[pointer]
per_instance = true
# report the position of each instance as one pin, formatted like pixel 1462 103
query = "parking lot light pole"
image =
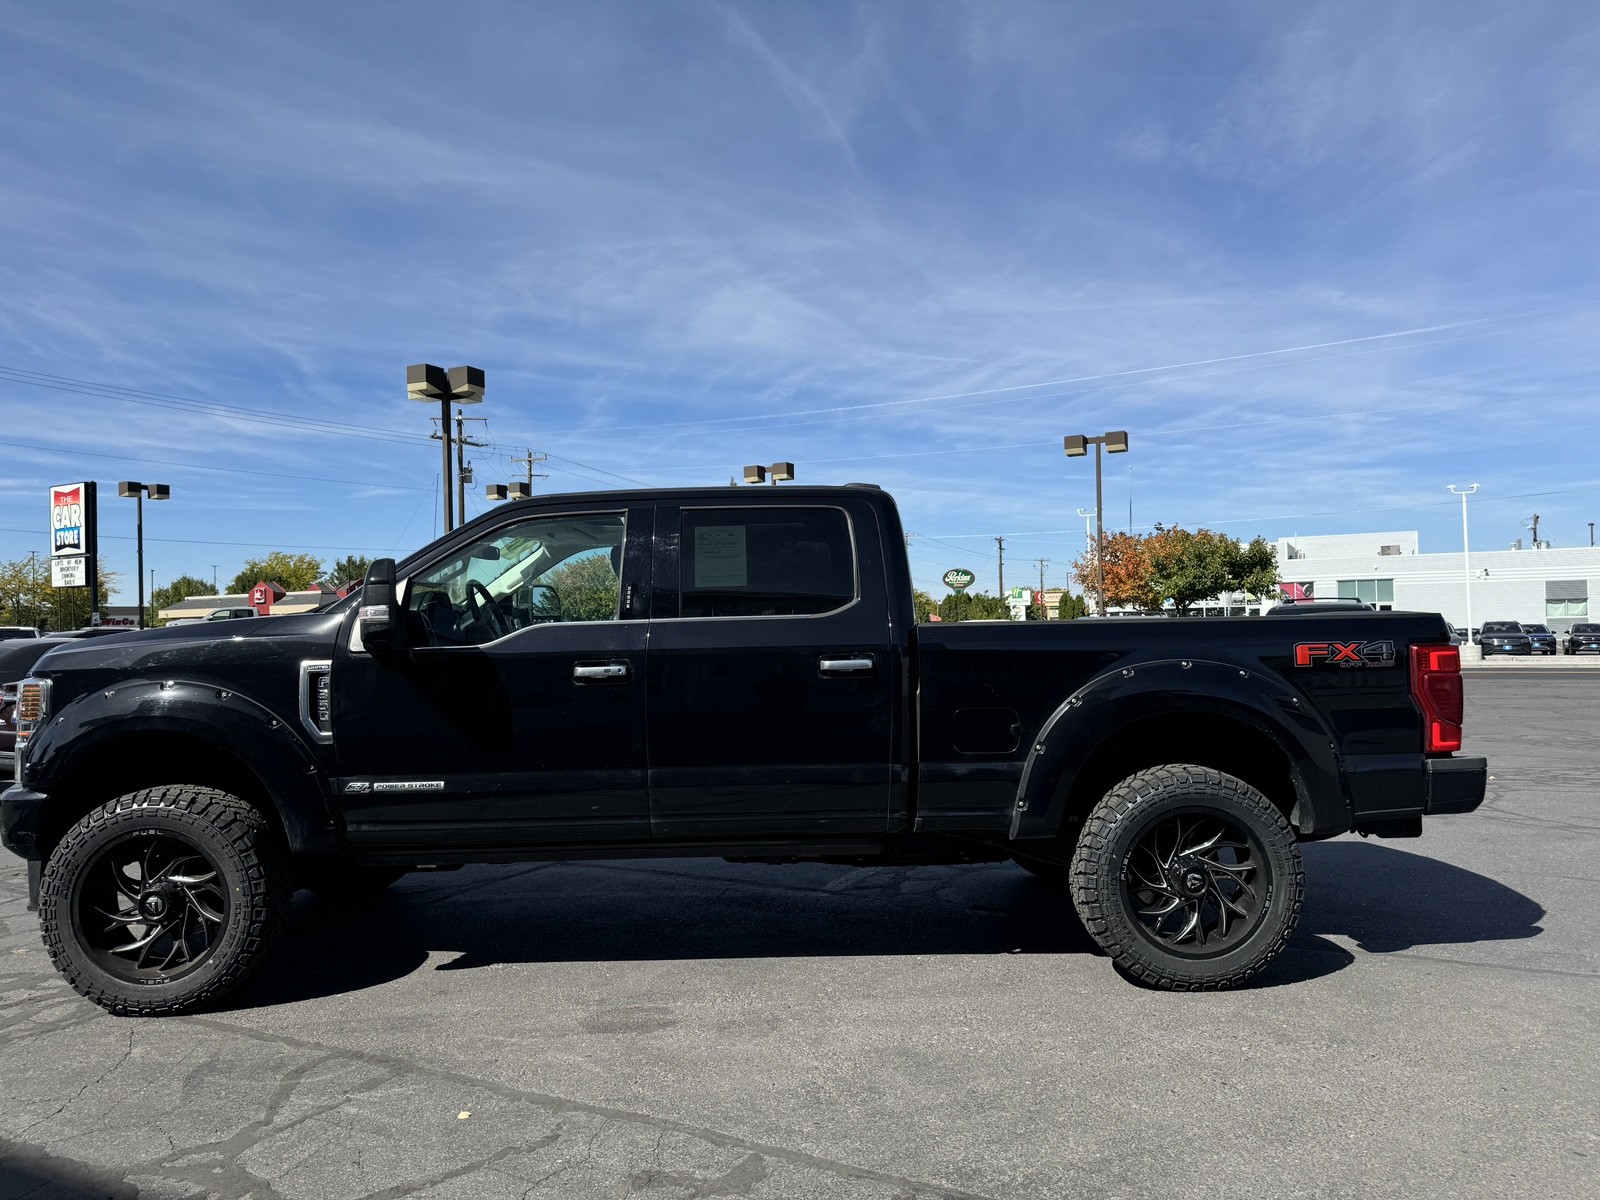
pixel 1076 446
pixel 459 385
pixel 1466 567
pixel 137 491
pixel 777 472
pixel 508 491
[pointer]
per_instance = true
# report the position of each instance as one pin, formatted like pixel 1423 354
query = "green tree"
pixel 69 608
pixel 973 606
pixel 1036 612
pixel 923 605
pixel 23 583
pixel 292 572
pixel 1188 567
pixel 1255 569
pixel 1071 607
pixel 169 594
pixel 585 589
pixel 352 568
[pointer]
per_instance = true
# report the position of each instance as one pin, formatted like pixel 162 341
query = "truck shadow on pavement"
pixel 1383 899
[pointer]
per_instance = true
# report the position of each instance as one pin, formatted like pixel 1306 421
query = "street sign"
pixel 959 579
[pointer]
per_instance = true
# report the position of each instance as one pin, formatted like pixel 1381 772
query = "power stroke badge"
pixel 1344 654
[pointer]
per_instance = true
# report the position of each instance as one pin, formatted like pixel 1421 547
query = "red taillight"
pixel 1436 687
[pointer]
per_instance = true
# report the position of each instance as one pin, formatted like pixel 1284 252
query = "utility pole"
pixel 1535 531
pixel 1591 533
pixel 463 476
pixel 533 460
pixel 1043 563
pixel 1001 543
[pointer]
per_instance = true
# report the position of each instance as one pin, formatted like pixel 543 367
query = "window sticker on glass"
pixel 719 557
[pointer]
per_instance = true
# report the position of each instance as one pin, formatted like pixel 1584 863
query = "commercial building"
pixel 1555 586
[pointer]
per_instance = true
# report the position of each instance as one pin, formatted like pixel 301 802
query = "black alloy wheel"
pixel 164 900
pixel 1189 878
pixel 149 908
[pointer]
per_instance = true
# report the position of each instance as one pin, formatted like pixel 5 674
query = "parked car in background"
pixel 216 614
pixel 1544 642
pixel 1504 637
pixel 8 731
pixel 17 657
pixel 1582 638
pixel 7 632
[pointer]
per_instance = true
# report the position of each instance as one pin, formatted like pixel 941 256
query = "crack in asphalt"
pixel 398 1065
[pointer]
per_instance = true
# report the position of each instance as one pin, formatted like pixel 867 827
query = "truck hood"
pixel 208 647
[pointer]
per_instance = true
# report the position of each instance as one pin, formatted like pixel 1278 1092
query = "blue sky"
pixel 1320 260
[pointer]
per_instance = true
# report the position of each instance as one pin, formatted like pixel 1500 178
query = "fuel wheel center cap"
pixel 1190 878
pixel 154 906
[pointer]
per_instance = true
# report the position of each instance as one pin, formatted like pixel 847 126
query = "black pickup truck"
pixel 733 672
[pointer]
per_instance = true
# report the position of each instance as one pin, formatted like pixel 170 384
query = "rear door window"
pixel 766 562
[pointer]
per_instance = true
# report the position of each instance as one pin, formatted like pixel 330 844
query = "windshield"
pixel 1502 627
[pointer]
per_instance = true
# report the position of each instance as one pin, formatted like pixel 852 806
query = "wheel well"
pixel 1222 743
pixel 128 764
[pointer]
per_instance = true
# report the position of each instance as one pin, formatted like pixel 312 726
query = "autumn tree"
pixel 292 572
pixel 69 608
pixel 1127 571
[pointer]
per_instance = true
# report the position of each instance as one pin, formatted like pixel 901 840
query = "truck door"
pixel 773 681
pixel 515 714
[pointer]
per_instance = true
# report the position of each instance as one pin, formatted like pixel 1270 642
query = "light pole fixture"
pixel 1088 530
pixel 1466 567
pixel 1076 446
pixel 127 489
pixel 508 491
pixel 458 385
pixel 782 471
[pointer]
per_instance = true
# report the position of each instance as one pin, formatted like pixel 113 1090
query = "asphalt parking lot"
pixel 694 1029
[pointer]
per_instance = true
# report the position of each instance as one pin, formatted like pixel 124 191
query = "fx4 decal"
pixel 1344 654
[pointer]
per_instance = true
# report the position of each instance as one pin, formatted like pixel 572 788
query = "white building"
pixel 1554 586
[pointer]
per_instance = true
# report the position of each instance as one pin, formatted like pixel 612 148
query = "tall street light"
pixel 1466 569
pixel 137 491
pixel 1088 530
pixel 1076 446
pixel 458 385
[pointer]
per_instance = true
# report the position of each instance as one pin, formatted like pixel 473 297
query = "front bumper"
pixel 19 820
pixel 1454 785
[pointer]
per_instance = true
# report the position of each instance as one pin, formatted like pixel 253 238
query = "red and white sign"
pixel 69 530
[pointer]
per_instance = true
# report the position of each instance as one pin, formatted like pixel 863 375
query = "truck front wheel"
pixel 1188 878
pixel 164 900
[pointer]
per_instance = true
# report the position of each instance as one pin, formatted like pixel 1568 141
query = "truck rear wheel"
pixel 1188 878
pixel 164 900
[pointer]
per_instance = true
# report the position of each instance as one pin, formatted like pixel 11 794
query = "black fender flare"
pixel 264 743
pixel 1136 691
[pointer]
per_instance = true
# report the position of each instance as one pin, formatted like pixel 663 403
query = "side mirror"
pixel 380 620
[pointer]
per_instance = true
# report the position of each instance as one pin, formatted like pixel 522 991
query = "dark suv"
pixel 1504 637
pixel 1582 638
pixel 1544 642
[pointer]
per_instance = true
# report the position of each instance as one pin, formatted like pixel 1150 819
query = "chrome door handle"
pixel 608 671
pixel 844 666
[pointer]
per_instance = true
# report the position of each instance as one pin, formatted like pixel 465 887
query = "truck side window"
pixel 544 569
pixel 766 562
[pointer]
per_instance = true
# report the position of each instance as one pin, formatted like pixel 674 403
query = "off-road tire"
pixel 250 882
pixel 1118 852
pixel 348 881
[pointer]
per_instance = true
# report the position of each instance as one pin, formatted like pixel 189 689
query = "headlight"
pixel 33 709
